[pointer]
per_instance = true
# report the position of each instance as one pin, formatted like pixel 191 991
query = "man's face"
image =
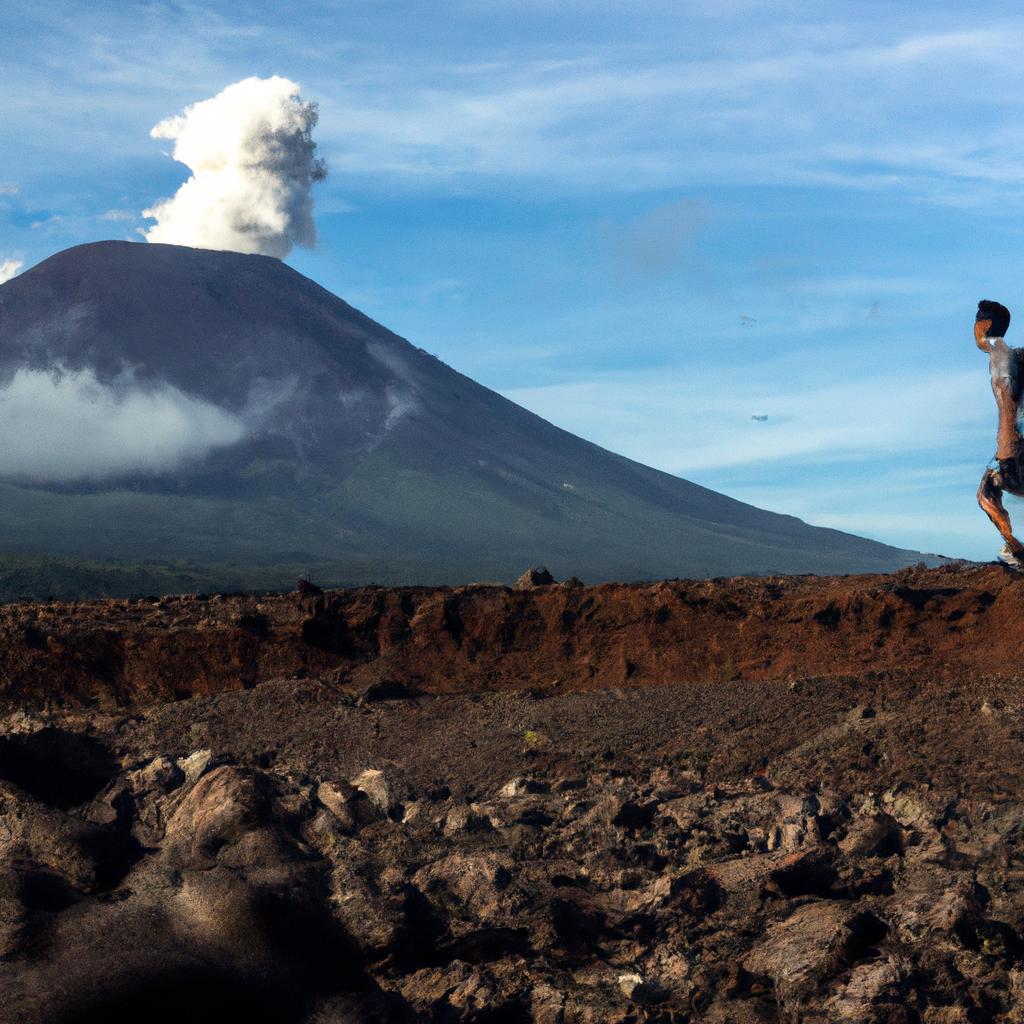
pixel 981 329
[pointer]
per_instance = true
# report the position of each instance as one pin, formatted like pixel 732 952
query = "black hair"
pixel 998 314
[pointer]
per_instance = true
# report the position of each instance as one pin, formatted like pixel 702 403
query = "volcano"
pixel 333 445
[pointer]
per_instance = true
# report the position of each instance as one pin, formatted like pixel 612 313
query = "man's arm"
pixel 981 329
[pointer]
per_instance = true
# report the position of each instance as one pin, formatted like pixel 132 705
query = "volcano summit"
pixel 166 403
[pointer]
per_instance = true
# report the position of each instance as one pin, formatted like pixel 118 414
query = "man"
pixel 1006 471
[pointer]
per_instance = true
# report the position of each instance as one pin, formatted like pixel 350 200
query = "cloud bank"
pixel 253 162
pixel 9 269
pixel 62 426
pixel 695 419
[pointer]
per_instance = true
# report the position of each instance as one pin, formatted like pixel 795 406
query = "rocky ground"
pixel 367 837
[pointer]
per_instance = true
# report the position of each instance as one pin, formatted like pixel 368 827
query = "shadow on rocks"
pixel 59 768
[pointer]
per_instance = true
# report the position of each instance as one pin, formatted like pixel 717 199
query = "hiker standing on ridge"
pixel 1006 470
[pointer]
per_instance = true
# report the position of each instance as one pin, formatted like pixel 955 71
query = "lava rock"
pixel 535 576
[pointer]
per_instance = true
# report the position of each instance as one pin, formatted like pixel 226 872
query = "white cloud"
pixel 9 188
pixel 769 104
pixel 869 97
pixel 698 418
pixel 929 508
pixel 251 153
pixel 65 425
pixel 9 269
pixel 865 452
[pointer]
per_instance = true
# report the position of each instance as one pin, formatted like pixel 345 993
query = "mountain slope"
pixel 344 447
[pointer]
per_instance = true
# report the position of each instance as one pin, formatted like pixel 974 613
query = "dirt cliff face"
pixel 745 800
pixel 562 637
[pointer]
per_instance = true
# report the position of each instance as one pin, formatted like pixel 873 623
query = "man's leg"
pixel 990 498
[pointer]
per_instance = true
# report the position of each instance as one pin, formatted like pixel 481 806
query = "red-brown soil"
pixel 752 800
pixel 566 637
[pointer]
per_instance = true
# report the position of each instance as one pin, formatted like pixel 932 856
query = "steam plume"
pixel 252 157
pixel 9 269
pixel 65 425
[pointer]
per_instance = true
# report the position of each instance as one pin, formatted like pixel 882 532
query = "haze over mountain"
pixel 163 402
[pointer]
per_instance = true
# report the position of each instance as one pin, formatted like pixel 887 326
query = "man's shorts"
pixel 1011 474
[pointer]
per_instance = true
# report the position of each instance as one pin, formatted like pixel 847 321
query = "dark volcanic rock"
pixel 379 900
pixel 708 849
pixel 537 576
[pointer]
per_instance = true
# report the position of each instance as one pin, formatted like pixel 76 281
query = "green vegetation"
pixel 38 578
pixel 390 524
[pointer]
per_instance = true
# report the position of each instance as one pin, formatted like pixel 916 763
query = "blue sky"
pixel 647 222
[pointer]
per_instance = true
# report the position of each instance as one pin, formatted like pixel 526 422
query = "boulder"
pixel 535 576
pixel 644 992
pixel 375 786
pixel 809 947
pixel 521 786
pixel 876 835
pixel 339 798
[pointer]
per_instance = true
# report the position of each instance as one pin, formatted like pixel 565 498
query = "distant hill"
pixel 345 448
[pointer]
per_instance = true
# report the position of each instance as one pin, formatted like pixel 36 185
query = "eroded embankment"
pixel 562 637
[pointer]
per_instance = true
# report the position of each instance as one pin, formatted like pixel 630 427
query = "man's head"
pixel 992 321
